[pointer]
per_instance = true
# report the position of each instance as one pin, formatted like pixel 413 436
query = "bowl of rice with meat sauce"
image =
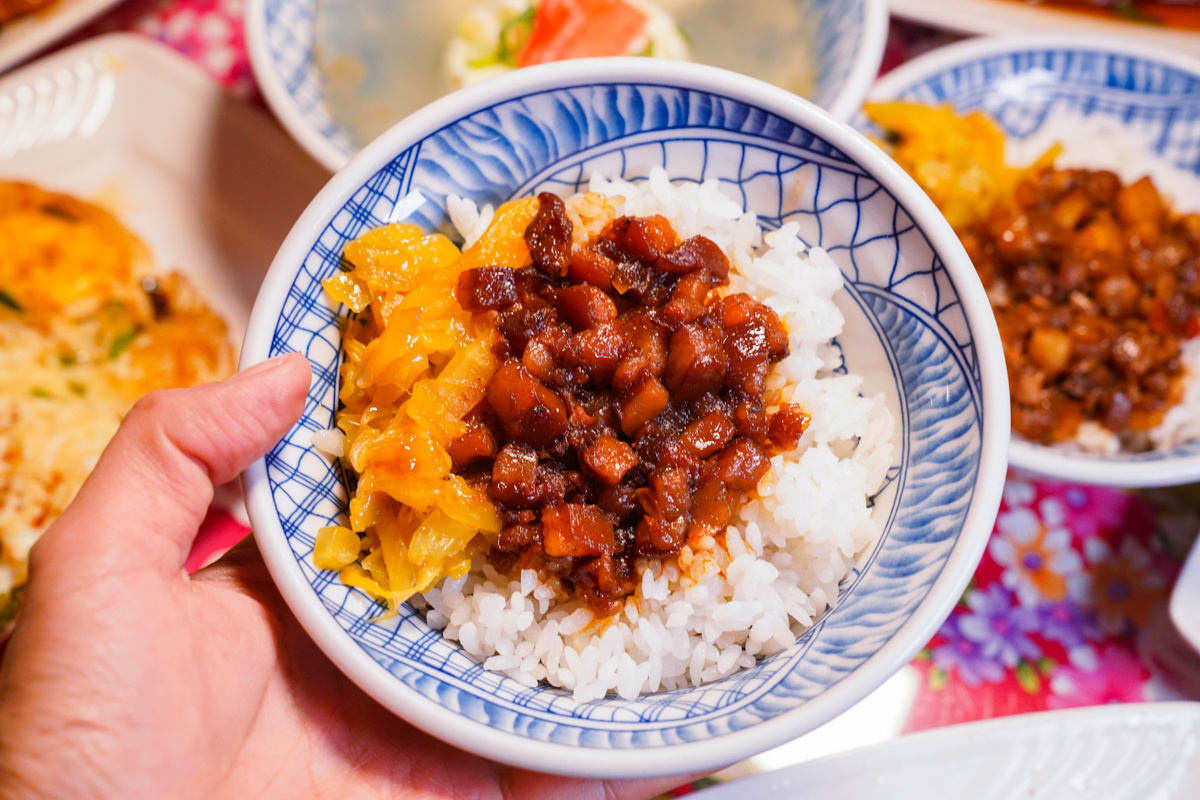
pixel 657 418
pixel 1067 165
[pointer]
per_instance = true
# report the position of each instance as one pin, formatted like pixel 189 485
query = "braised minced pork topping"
pixel 1095 286
pixel 629 413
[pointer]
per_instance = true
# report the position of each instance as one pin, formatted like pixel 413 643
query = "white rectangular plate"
pixel 210 184
pixel 1113 752
pixel 1012 16
pixel 23 37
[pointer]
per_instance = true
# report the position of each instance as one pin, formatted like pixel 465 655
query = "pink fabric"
pixel 1067 608
pixel 209 32
pixel 219 532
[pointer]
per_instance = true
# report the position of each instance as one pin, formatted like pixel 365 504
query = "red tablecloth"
pixel 1067 607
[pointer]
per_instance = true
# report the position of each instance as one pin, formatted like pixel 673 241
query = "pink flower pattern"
pixel 1052 619
pixel 1036 553
pixel 1116 677
pixel 209 32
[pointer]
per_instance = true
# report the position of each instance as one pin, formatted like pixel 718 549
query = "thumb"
pixel 143 503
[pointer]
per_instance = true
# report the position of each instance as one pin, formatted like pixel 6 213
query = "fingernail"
pixel 265 366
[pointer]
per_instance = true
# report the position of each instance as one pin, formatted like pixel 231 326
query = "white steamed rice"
pixel 723 602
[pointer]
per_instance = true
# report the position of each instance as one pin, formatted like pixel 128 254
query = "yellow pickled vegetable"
pixel 365 509
pixel 337 547
pixel 503 243
pixel 439 540
pixel 345 289
pixel 957 159
pixel 358 577
pixel 392 258
pixel 395 532
pixel 440 403
pixel 416 364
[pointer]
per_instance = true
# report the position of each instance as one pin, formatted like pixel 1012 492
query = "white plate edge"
pixel 1011 16
pixel 42 29
pixel 987 737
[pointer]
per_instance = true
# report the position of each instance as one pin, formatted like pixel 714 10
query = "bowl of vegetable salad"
pixel 338 73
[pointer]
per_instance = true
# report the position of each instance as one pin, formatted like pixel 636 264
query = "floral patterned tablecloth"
pixel 1067 607
pixel 209 32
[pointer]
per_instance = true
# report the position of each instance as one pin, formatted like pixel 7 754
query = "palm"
pixel 340 742
pixel 160 684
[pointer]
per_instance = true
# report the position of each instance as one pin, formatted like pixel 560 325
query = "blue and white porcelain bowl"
pixel 389 51
pixel 919 330
pixel 1132 107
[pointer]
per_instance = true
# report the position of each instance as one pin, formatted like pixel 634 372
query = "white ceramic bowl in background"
pixel 919 330
pixel 1127 88
pixel 395 47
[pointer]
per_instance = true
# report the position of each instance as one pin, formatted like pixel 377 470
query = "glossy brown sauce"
pixel 629 414
pixel 1095 286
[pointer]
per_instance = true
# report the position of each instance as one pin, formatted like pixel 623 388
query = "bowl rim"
pixel 941 58
pixel 281 102
pixel 866 67
pixel 276 94
pixel 1030 457
pixel 697 756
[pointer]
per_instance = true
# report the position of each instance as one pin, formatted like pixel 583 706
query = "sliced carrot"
pixel 565 29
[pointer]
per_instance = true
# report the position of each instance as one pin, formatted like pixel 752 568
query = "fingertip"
pixel 293 365
pixel 260 403
pixel 281 383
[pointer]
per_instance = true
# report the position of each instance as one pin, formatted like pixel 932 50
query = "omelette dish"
pixel 86 328
pixel 10 9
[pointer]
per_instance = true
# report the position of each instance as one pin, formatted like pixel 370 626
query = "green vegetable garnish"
pixel 8 300
pixel 8 609
pixel 513 35
pixel 121 343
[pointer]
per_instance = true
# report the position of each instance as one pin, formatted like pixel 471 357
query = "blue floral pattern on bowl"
pixel 846 55
pixel 1022 82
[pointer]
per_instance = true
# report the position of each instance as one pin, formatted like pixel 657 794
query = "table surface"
pixel 1067 607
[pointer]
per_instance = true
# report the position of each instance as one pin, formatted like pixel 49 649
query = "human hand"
pixel 128 678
